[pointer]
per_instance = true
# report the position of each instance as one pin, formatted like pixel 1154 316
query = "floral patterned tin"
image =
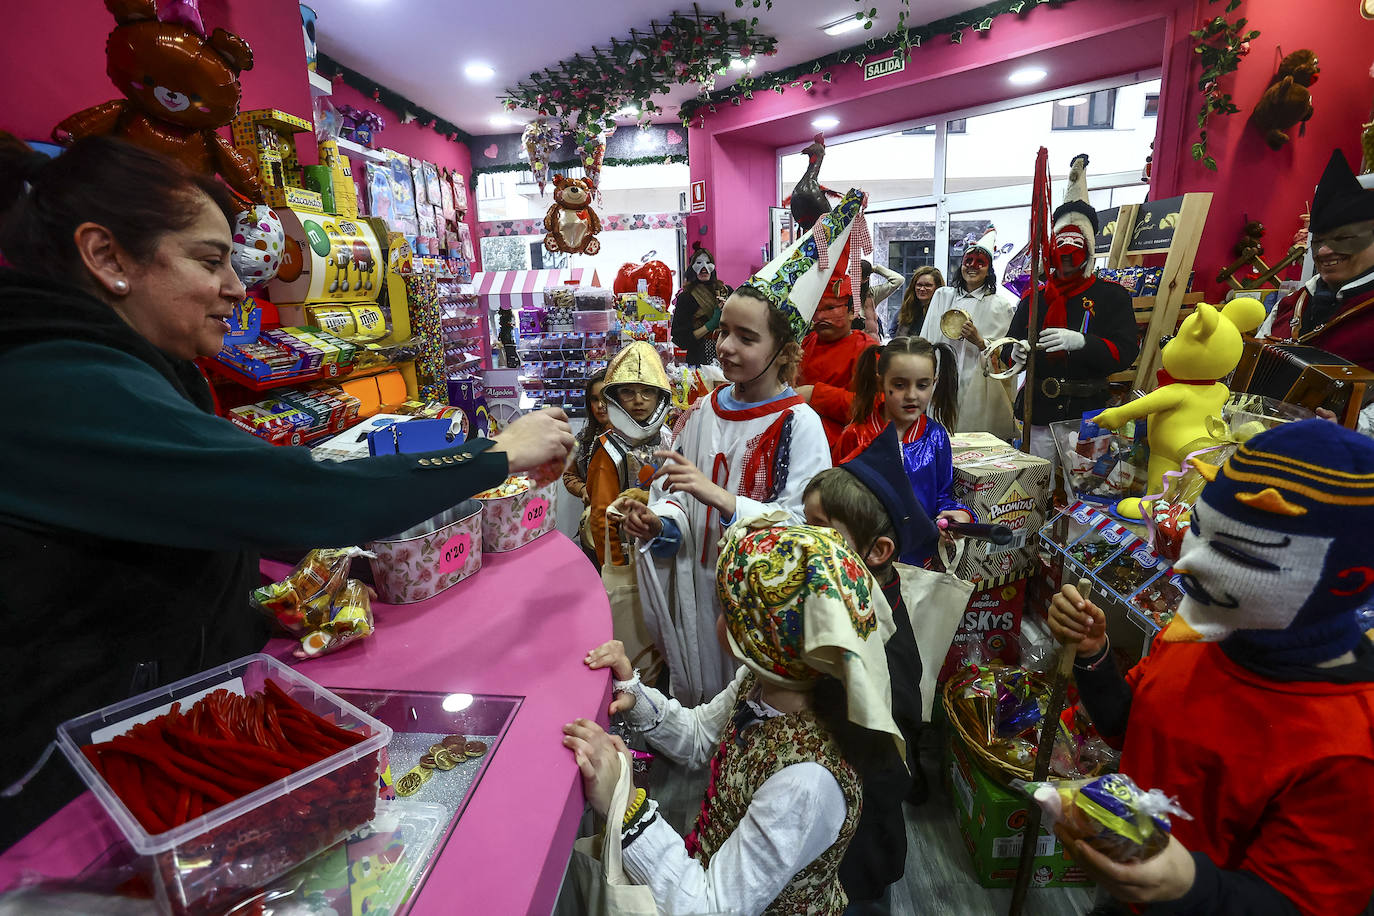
pixel 513 519
pixel 435 555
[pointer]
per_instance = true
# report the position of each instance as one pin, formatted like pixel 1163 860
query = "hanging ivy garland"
pixel 585 91
pixel 406 110
pixel 901 41
pixel 1220 46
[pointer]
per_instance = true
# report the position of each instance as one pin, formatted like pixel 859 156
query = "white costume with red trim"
pixel 765 454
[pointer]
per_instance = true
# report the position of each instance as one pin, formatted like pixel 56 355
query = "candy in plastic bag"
pixel 350 618
pixel 301 601
pixel 1110 813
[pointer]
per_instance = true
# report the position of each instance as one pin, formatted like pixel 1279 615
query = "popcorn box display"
pixel 213 861
pixel 992 821
pixel 990 626
pixel 1002 487
pixel 516 513
pixel 431 557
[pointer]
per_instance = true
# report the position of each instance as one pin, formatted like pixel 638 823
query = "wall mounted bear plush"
pixel 179 86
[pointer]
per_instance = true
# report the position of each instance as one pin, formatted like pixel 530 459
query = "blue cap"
pixel 879 467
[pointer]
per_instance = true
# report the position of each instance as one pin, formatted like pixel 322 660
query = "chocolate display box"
pixel 1001 486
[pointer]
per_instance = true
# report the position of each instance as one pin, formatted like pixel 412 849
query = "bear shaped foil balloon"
pixel 1206 349
pixel 571 224
pixel 179 86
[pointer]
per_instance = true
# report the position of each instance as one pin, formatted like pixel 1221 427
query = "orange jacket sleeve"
pixel 603 486
pixel 831 402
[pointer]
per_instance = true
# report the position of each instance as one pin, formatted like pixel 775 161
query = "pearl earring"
pixel 121 286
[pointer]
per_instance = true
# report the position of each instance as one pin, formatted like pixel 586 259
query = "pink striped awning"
pixel 517 289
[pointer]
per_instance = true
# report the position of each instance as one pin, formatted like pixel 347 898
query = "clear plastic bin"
pixel 207 864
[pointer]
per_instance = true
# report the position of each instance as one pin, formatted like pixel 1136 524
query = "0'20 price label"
pixel 455 553
pixel 536 513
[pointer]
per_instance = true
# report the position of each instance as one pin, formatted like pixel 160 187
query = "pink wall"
pixel 417 141
pixel 60 47
pixel 1275 187
pixel 52 59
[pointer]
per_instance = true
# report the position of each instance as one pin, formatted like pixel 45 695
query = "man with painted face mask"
pixel 1255 707
pixel 829 353
pixel 697 308
pixel 1086 326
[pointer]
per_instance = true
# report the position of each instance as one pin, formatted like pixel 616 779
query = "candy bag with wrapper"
pixel 1111 813
pixel 302 600
pixel 350 618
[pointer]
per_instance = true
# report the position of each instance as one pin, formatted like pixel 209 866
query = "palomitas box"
pixel 992 821
pixel 990 626
pixel 1003 487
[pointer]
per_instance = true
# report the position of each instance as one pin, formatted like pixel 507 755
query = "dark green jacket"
pixel 131 517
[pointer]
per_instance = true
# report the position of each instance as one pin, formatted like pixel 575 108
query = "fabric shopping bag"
pixel 936 602
pixel 627 615
pixel 598 871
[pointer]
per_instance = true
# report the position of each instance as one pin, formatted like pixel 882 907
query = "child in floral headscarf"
pixel 786 739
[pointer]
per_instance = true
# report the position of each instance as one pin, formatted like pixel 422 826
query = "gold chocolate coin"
pixel 435 748
pixel 411 782
pixel 474 748
pixel 427 761
pixel 455 742
pixel 445 760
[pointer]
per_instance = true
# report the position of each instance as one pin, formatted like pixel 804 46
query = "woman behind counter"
pixel 130 515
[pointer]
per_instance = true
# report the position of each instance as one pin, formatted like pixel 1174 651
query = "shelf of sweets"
pixel 228 373
pixel 1083 541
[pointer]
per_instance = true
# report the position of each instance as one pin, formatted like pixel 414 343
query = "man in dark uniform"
pixel 1085 328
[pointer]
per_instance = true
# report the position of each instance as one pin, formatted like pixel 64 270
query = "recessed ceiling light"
pixel 1027 76
pixel 840 26
pixel 825 122
pixel 500 120
pixel 1076 100
pixel 479 72
pixel 627 111
pixel 742 63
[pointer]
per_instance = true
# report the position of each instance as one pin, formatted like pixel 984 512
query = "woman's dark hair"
pixel 908 317
pixel 863 748
pixel 989 282
pixel 847 500
pixel 137 194
pixel 872 366
pixel 790 352
pixel 865 276
pixel 587 437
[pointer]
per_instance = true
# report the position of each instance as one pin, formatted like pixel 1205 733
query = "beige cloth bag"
pixel 627 616
pixel 598 869
pixel 936 602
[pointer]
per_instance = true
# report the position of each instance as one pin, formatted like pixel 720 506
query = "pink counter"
pixel 519 627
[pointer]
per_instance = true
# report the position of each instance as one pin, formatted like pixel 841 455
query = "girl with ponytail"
pixel 896 383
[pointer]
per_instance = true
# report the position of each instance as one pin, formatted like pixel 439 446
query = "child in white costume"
pixel 747 448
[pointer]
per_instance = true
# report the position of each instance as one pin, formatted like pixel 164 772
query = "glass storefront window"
pixel 895 166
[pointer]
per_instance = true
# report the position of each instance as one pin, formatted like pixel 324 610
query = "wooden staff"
pixel 1039 224
pixel 1049 728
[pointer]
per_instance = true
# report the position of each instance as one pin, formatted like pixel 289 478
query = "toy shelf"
pixel 326 372
pixel 357 149
pixel 319 85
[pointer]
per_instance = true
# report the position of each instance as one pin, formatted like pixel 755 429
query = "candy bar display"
pixel 1130 578
pixel 297 417
pixel 463 323
pixel 1110 813
pixel 207 790
pixel 283 354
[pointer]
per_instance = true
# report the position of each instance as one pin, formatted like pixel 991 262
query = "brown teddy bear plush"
pixel 571 222
pixel 1287 101
pixel 178 85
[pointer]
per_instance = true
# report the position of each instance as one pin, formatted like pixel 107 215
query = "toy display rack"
pixel 1158 315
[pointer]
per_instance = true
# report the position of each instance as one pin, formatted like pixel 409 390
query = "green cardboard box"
pixel 992 818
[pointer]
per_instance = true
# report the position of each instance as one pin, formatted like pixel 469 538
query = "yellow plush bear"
pixel 1207 348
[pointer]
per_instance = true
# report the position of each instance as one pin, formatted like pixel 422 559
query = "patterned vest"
pixel 737 771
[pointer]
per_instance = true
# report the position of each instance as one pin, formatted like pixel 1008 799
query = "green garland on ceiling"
pixel 331 69
pixel 577 163
pixel 804 76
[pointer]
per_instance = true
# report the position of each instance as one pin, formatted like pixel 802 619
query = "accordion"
pixel 1305 376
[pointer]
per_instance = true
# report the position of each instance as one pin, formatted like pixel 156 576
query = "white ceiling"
pixel 419 47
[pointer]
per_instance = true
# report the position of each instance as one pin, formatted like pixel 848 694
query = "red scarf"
pixel 1057 295
pixel 1162 378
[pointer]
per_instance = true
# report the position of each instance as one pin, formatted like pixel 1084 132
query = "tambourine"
pixel 952 323
pixel 1018 362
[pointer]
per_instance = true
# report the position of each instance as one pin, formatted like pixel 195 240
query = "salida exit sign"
pixel 885 67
